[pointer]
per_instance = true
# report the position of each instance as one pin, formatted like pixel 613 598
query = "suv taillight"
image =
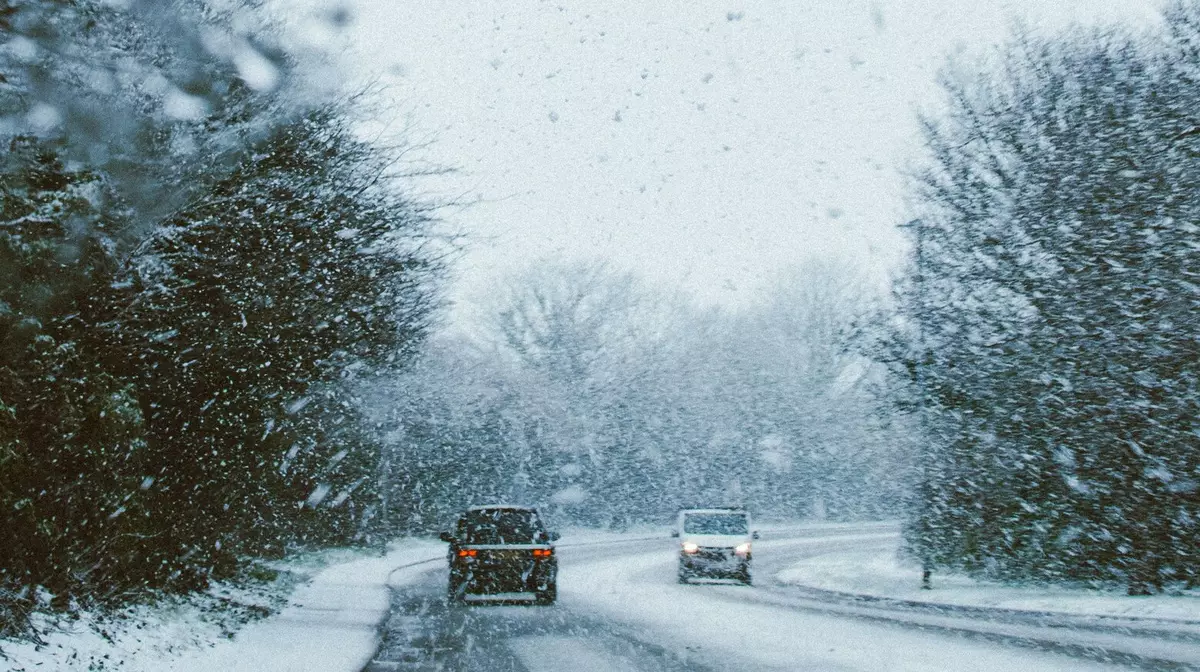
pixel 543 552
pixel 467 552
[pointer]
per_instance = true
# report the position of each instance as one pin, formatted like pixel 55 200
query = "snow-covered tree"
pixel 1052 310
pixel 250 311
pixel 71 433
pixel 593 336
pixel 826 434
pixel 196 262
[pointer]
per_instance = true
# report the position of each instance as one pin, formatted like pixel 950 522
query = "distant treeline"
pixel 613 404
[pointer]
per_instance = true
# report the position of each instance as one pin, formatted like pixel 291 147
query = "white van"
pixel 714 543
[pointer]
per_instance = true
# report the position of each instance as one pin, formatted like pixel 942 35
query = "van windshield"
pixel 715 523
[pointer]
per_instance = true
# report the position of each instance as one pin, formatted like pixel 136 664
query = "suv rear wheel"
pixel 548 595
pixel 454 592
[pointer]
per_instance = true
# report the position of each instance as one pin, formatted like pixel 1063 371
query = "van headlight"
pixel 690 547
pixel 743 549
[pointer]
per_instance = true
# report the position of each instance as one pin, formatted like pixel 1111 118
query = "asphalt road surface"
pixel 621 609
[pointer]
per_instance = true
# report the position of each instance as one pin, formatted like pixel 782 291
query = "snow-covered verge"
pixel 324 618
pixel 881 572
pixel 726 626
pixel 158 629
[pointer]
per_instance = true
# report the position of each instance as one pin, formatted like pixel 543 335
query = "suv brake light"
pixel 543 552
pixel 467 552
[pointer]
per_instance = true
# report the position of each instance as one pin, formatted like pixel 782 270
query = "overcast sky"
pixel 705 144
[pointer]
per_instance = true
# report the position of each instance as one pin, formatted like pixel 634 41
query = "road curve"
pixel 621 609
pixel 1132 642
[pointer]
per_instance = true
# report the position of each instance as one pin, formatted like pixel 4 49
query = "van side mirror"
pixel 447 537
pixel 674 533
pixel 754 534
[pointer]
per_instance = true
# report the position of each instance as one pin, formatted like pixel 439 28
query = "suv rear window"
pixel 501 526
pixel 715 523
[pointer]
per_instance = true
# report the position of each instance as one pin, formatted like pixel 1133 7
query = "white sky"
pixel 704 144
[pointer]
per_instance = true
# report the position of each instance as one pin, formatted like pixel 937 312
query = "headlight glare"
pixel 742 549
pixel 690 547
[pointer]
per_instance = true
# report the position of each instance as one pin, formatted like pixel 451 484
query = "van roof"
pixel 516 507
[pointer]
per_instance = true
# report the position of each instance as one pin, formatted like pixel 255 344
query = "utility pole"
pixel 385 485
pixel 918 226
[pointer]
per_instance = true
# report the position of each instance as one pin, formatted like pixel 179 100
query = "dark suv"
pixel 502 552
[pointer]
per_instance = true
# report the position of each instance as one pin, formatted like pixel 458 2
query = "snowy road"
pixel 621 609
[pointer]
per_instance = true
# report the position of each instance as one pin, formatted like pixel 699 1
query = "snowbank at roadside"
pixel 584 535
pixel 878 571
pixel 328 624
